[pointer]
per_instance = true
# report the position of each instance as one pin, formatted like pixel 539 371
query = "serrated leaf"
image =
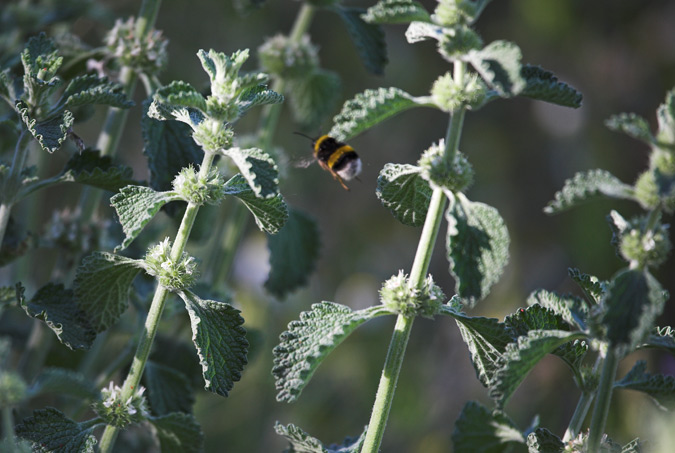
pixel 90 89
pixel 659 387
pixel 58 308
pixel 368 109
pixel 301 442
pixel 51 431
pixel 520 357
pixel 368 39
pixel 499 65
pixel 178 433
pixel 421 31
pixel 102 285
pixel 632 125
pixel 570 308
pixel 477 430
pixel 270 213
pixel 314 97
pixel 293 254
pixel 258 168
pixel 593 287
pixel 59 381
pixel 666 118
pixel 220 340
pixel 258 95
pixel 634 299
pixel 178 101
pixel 92 169
pixel 544 441
pixel 404 192
pixel 586 186
pixel 634 446
pixel 169 390
pixel 396 12
pixel 661 338
pixel 309 340
pixel 40 54
pixel 50 133
pixel 135 207
pixel 542 85
pixel 477 244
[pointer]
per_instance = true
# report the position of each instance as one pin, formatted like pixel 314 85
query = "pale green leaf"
pixel 270 213
pixel 102 285
pixel 396 12
pixel 169 390
pixel 59 382
pixel 314 97
pixel 404 192
pixel 421 31
pixel 477 244
pixel 593 288
pixel 368 39
pixel 50 133
pixel 258 95
pixel 258 168
pixel 293 254
pixel 135 207
pixel 588 185
pixel 220 340
pixel 659 387
pixel 666 118
pixel 51 431
pixel 542 85
pixel 309 340
pixel 499 65
pixel 90 89
pixel 301 442
pixel 178 433
pixel 544 441
pixel 178 101
pixel 478 430
pixel 632 125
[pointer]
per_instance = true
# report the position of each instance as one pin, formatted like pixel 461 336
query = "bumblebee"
pixel 336 157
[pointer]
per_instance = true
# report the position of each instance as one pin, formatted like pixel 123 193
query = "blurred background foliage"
pixel 620 55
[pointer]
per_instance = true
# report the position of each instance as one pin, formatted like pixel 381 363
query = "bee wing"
pixel 303 163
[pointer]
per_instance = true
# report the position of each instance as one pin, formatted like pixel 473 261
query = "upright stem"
pixel 12 184
pixel 580 412
pixel 8 427
pixel 604 396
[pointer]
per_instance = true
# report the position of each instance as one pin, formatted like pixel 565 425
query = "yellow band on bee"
pixel 317 143
pixel 337 154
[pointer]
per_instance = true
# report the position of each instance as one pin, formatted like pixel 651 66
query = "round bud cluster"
pixel 647 190
pixel 461 41
pixel 455 176
pixel 213 135
pixel 12 389
pixel 649 248
pixel 281 56
pixel 199 189
pixel 450 96
pixel 453 12
pixel 222 109
pixel 118 412
pixel 174 276
pixel 148 56
pixel 399 296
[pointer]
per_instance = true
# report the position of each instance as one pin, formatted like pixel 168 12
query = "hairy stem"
pixel 604 396
pixel 8 427
pixel 580 412
pixel 12 184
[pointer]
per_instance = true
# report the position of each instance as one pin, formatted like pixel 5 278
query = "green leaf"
pixel 220 340
pixel 169 390
pixel 270 213
pixel 478 430
pixel 370 108
pixel 478 247
pixel 632 125
pixel 293 254
pixel 50 133
pixel 40 54
pixel 258 168
pixel 102 285
pixel 396 12
pixel 593 288
pixel 634 299
pixel 542 85
pixel 314 97
pixel 404 192
pixel 544 441
pixel 301 442
pixel 588 185
pixel 570 308
pixel 50 430
pixel 178 101
pixel 9 296
pixel 92 169
pixel 258 95
pixel 499 65
pixel 16 243
pixel 634 446
pixel 666 118
pixel 58 308
pixel 661 338
pixel 659 387
pixel 178 433
pixel 368 39
pixel 135 207
pixel 422 30
pixel 90 89
pixel 520 357
pixel 309 340
pixel 59 382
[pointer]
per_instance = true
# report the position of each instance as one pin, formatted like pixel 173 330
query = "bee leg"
pixel 338 179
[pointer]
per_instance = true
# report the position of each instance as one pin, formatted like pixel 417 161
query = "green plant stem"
pixel 580 412
pixel 603 398
pixel 12 184
pixel 233 229
pixel 147 337
pixel 39 343
pixel 8 427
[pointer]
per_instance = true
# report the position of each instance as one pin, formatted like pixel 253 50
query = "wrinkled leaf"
pixel 301 442
pixel 314 97
pixel 90 89
pixel 572 309
pixel 661 338
pixel 368 39
pixel 659 387
pixel 593 287
pixel 404 192
pixel 169 390
pixel 499 65
pixel 396 12
pixel 178 101
pixel 50 133
pixel 544 441
pixel 259 95
pixel 480 431
pixel 178 433
pixel 270 213
pixel 586 186
pixel 542 85
pixel 50 430
pixel 258 168
pixel 632 125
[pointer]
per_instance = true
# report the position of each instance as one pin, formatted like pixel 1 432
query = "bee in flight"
pixel 336 157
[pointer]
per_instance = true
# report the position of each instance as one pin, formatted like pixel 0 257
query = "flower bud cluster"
pixel 213 135
pixel 645 248
pixel 174 276
pixel 198 189
pixel 455 176
pixel 453 12
pixel 12 388
pixel 148 55
pixel 121 413
pixel 283 57
pixel 399 296
pixel 450 96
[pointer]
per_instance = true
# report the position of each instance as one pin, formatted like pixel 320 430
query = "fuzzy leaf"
pixel 92 169
pixel 50 133
pixel 632 125
pixel 542 85
pixel 478 247
pixel 90 89
pixel 404 192
pixel 220 340
pixel 293 254
pixel 570 308
pixel 258 168
pixel 634 299
pixel 422 30
pixel 396 12
pixel 588 185
pixel 368 109
pixel 544 441
pixel 658 386
pixel 50 430
pixel 666 118
pixel 178 101
pixel 309 340
pixel 178 433
pixel 258 95
pixel 102 285
pixel 478 430
pixel 40 54
pixel 270 213
pixel 520 357
pixel 592 287
pixel 58 308
pixel 499 65
pixel 59 381
pixel 169 390
pixel 301 442
pixel 368 39
pixel 135 207
pixel 661 338
pixel 314 97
